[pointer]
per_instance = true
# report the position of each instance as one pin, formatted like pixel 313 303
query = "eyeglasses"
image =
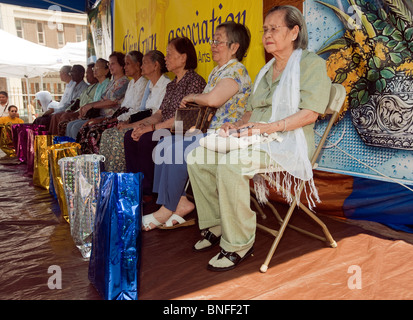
pixel 217 42
pixel 272 30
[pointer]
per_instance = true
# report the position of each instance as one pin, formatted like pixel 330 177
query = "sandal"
pixel 231 256
pixel 147 220
pixel 181 222
pixel 210 237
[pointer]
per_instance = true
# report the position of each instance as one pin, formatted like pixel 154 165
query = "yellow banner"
pixel 149 24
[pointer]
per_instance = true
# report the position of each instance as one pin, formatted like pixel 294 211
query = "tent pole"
pixel 29 110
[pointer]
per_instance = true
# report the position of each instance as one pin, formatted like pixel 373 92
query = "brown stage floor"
pixel 34 237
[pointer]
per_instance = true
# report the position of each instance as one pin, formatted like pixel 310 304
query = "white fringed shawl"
pixel 291 153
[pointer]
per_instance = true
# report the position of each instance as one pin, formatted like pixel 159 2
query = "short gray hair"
pixel 66 69
pixel 293 17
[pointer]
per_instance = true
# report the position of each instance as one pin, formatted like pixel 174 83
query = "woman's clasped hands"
pixel 139 130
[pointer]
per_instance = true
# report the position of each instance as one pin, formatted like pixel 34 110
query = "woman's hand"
pixel 122 125
pixel 188 99
pixel 227 129
pixel 139 131
pixel 252 128
pixel 83 110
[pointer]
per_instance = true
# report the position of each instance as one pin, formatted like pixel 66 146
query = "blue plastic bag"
pixel 64 139
pixel 114 265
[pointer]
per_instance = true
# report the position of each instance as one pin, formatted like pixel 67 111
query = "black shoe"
pixel 231 256
pixel 212 238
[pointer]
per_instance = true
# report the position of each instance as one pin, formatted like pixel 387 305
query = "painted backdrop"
pixel 366 170
pixel 368 47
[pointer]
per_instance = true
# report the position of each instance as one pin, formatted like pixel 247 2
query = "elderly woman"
pixel 227 90
pixel 112 139
pixel 131 102
pixel 89 134
pixel 110 102
pixel 181 59
pixel 288 95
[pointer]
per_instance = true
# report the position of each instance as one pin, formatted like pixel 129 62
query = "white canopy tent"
pixel 24 59
pixel 74 53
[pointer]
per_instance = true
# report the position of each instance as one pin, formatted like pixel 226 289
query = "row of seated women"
pixel 287 97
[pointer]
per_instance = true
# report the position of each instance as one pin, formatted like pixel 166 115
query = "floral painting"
pixel 373 60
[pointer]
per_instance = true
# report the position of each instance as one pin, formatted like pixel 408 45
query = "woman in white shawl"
pixel 289 93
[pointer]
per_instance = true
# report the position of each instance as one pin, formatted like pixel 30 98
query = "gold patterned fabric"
pixel 6 140
pixel 41 177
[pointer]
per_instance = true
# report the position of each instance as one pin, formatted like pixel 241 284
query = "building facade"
pixel 52 28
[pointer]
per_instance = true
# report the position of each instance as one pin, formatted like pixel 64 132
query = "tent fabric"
pixel 384 202
pixel 74 6
pixel 24 58
pixel 74 52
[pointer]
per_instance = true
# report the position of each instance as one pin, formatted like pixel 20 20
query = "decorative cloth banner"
pixel 114 265
pixel 81 179
pixel 149 24
pixel 55 153
pixel 41 177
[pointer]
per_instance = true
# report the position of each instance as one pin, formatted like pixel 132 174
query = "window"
pixel 60 38
pixel 40 33
pixel 19 28
pixel 79 33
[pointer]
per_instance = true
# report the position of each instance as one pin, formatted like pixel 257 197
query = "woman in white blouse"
pixel 136 87
pixel 155 90
pixel 111 144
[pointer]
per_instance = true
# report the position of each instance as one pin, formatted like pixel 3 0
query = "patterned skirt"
pixel 89 136
pixel 111 147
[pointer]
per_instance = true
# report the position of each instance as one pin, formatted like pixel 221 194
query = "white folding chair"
pixel 337 96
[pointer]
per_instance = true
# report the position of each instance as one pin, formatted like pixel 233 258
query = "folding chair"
pixel 337 96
